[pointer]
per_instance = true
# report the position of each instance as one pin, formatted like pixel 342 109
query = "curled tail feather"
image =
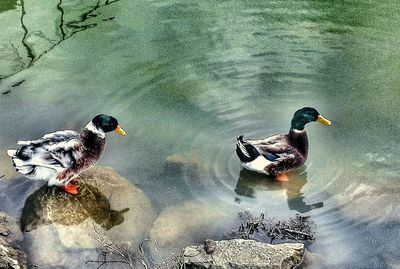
pixel 245 151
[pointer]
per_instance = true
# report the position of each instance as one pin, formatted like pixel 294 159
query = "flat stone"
pixel 244 254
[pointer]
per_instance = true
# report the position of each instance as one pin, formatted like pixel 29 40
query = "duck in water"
pixel 276 155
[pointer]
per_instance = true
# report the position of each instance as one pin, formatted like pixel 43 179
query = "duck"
pixel 60 157
pixel 278 154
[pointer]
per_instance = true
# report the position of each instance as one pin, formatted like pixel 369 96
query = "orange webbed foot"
pixel 282 177
pixel 71 189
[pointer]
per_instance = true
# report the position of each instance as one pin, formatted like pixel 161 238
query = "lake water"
pixel 184 78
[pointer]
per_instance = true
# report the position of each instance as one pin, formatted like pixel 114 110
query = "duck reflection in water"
pixel 249 182
pixel 48 205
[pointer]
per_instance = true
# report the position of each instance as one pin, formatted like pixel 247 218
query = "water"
pixel 184 78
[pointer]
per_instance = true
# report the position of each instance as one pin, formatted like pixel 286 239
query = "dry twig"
pixel 297 228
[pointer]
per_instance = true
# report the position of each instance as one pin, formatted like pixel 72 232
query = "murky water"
pixel 184 78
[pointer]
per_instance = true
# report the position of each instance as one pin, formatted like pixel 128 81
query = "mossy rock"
pixel 58 227
pixel 52 205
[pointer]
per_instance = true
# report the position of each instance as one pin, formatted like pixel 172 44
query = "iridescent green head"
pixel 305 115
pixel 106 124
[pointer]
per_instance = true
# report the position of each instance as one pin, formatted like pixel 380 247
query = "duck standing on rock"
pixel 61 156
pixel 279 154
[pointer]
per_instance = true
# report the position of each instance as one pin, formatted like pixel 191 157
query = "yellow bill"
pixel 120 131
pixel 323 120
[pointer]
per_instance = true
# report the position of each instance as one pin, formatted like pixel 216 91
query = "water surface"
pixel 184 78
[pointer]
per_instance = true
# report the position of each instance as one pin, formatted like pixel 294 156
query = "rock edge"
pixel 10 258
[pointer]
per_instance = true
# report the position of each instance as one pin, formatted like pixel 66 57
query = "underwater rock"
pixel 58 225
pixel 371 202
pixel 184 159
pixel 241 254
pixel 312 260
pixel 180 225
pixel 49 205
pixel 10 258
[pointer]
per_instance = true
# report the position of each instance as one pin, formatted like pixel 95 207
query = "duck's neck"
pixel 92 128
pixel 298 138
pixel 92 138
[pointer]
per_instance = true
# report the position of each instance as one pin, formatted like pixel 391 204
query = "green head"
pixel 305 115
pixel 107 123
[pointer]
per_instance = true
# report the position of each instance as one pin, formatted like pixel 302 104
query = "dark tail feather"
pixel 245 151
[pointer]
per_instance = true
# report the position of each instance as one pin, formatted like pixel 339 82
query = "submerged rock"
pixel 58 226
pixel 50 205
pixel 180 225
pixel 10 257
pixel 241 254
pixel 365 202
pixel 184 159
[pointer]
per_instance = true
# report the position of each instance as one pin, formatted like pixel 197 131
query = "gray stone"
pixel 10 258
pixel 241 254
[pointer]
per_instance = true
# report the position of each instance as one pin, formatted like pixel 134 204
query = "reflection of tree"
pixel 61 25
pixel 27 47
pixel 65 30
pixel 249 182
pixel 50 205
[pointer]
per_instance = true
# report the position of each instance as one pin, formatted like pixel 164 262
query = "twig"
pixel 298 228
pixel 109 248
pixel 111 252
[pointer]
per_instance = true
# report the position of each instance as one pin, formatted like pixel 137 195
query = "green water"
pixel 184 78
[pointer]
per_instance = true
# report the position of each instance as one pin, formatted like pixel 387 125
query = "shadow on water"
pixel 249 183
pixel 49 205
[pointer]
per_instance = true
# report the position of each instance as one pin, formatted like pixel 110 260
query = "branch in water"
pixel 61 25
pixel 297 228
pixel 29 50
pixel 111 252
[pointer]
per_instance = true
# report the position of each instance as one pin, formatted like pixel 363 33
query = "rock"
pixel 58 226
pixel 184 159
pixel 10 257
pixel 49 205
pixel 178 226
pixel 210 246
pixel 241 254
pixel 364 202
pixel 4 231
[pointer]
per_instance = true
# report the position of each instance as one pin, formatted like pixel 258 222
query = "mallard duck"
pixel 280 153
pixel 61 156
